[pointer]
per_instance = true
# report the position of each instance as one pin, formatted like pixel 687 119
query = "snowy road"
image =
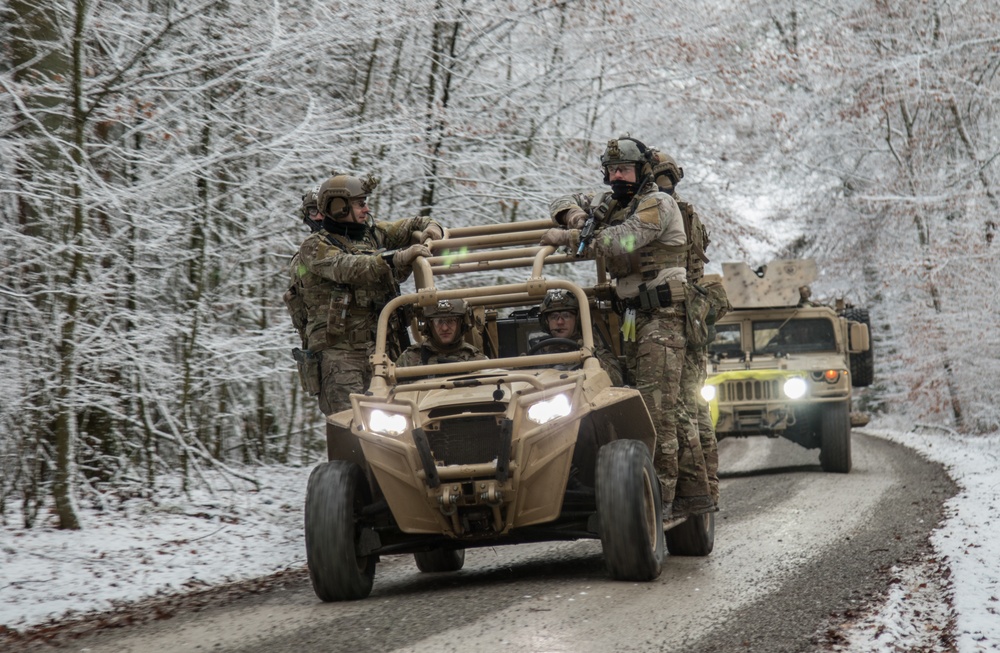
pixel 793 547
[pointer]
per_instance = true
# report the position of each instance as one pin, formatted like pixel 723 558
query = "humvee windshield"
pixel 796 335
pixel 728 342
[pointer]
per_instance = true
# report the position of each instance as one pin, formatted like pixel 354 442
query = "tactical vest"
pixel 348 314
pixel 649 259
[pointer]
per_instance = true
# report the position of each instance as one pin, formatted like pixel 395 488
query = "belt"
pixel 650 299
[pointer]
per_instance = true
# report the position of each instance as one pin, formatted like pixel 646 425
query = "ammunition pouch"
pixel 667 295
pixel 699 322
pixel 310 370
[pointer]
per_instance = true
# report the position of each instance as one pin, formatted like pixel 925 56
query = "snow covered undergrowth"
pixel 139 548
pixel 175 543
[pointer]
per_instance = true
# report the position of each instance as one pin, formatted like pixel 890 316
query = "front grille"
pixel 749 390
pixel 465 440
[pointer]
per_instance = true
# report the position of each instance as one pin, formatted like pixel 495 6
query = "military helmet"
pixel 664 164
pixel 335 194
pixel 626 149
pixel 309 201
pixel 446 308
pixel 556 300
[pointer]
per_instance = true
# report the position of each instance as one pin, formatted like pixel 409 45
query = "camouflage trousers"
pixel 656 361
pixel 342 372
pixel 692 378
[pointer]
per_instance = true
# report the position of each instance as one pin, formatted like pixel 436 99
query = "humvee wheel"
pixel 695 537
pixel 835 437
pixel 336 492
pixel 630 512
pixel 440 560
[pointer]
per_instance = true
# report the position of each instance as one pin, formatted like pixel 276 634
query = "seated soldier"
pixel 558 316
pixel 443 328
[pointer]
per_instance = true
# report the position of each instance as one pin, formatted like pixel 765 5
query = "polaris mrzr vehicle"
pixel 784 366
pixel 436 459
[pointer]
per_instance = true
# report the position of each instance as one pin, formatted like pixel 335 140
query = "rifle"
pixel 594 216
pixel 587 233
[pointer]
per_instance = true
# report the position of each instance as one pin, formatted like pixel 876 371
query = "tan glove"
pixel 433 231
pixel 574 218
pixel 555 237
pixel 404 258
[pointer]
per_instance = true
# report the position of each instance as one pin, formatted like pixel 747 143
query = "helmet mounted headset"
pixel 626 150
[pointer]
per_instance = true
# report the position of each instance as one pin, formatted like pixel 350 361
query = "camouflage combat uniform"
pixel 429 352
pixel 695 372
pixel 643 245
pixel 344 282
pixel 609 362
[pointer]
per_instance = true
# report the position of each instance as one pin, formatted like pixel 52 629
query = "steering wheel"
pixel 548 342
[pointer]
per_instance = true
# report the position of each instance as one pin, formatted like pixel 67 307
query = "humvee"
pixel 436 459
pixel 783 366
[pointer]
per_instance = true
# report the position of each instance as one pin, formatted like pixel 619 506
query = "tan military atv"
pixel 783 366
pixel 435 459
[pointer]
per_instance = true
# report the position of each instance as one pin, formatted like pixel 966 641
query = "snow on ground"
pixel 139 548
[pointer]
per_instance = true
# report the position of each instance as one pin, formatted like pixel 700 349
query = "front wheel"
pixel 439 560
pixel 694 537
pixel 630 511
pixel 336 493
pixel 835 437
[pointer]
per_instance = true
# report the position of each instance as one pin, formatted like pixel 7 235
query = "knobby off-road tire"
pixel 336 493
pixel 862 364
pixel 835 437
pixel 630 512
pixel 439 560
pixel 695 537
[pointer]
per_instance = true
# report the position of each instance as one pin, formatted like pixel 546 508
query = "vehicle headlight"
pixel 708 392
pixel 795 387
pixel 549 409
pixel 385 423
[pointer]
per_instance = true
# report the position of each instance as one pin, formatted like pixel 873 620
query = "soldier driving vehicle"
pixel 559 319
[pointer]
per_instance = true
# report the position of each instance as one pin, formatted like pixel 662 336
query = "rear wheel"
pixel 440 560
pixel 630 512
pixel 336 493
pixel 835 438
pixel 694 537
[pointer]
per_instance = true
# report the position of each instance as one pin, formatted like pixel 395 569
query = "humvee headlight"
pixel 550 409
pixel 386 423
pixel 831 376
pixel 708 392
pixel 795 387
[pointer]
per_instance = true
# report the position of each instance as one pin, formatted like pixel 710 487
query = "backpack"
pixel 697 240
pixel 294 302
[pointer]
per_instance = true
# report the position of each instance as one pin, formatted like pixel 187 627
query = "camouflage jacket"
pixel 651 220
pixel 344 282
pixel 608 360
pixel 427 353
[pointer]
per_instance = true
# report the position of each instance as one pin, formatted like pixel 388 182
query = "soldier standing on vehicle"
pixel 309 211
pixel 642 241
pixel 444 326
pixel 558 316
pixel 668 174
pixel 342 277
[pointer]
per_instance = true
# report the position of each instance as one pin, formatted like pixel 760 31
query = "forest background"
pixel 153 156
